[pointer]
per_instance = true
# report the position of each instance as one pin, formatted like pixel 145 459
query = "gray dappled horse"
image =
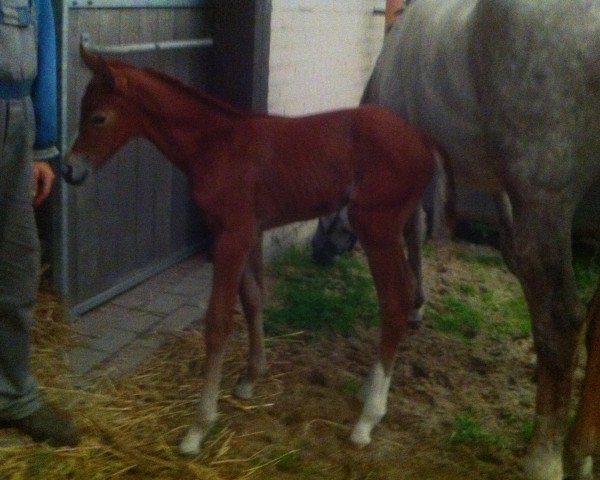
pixel 510 89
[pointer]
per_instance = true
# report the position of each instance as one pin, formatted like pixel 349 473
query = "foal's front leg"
pixel 231 252
pixel 251 293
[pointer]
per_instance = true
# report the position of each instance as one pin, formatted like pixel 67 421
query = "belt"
pixel 14 90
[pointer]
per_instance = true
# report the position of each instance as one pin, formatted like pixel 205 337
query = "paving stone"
pixel 180 319
pixel 83 359
pixel 165 303
pixel 179 271
pixel 174 274
pixel 137 321
pixel 188 287
pixel 94 323
pixel 196 283
pixel 192 264
pixel 129 358
pixel 117 337
pixel 137 297
pixel 112 340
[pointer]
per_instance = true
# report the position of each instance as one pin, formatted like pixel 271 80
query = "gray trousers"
pixel 19 259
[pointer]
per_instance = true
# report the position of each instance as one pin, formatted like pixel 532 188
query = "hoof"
pixel 415 318
pixel 361 435
pixel 544 465
pixel 582 469
pixel 190 444
pixel 243 390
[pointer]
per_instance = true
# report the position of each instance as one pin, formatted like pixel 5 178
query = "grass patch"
pixel 313 297
pixel 484 260
pixel 527 430
pixel 428 250
pixel 468 430
pixel 480 298
pixel 517 320
pixel 350 388
pixel 587 273
pixel 456 317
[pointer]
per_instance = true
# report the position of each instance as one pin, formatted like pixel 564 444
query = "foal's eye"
pixel 98 120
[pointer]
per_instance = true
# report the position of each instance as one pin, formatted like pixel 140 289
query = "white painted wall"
pixel 322 53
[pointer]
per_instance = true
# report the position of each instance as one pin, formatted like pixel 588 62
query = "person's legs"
pixel 20 405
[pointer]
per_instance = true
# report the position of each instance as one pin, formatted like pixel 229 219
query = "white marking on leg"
pixel 544 464
pixel 377 388
pixel 585 470
pixel 190 444
pixel 545 458
pixel 207 414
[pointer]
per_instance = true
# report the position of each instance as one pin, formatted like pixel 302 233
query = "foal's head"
pixel 108 119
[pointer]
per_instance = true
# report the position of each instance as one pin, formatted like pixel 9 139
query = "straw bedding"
pixel 298 425
pixel 130 428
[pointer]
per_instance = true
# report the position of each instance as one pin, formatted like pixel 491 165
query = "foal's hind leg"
pixel 379 235
pixel 251 292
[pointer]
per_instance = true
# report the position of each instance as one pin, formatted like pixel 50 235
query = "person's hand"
pixel 43 179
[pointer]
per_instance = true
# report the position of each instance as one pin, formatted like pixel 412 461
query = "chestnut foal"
pixel 252 172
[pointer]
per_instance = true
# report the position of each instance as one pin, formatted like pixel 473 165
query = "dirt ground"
pixel 459 409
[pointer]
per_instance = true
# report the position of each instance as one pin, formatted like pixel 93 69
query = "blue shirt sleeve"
pixel 44 92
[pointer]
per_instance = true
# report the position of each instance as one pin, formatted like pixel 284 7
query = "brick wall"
pixel 322 53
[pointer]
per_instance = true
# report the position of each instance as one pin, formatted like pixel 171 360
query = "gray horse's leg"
pixel 505 223
pixel 414 236
pixel 542 252
pixel 441 197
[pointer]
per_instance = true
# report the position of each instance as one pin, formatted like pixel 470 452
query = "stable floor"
pixel 118 336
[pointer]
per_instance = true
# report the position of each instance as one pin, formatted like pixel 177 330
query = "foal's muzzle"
pixel 75 174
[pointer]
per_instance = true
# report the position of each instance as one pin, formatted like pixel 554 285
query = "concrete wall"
pixel 322 53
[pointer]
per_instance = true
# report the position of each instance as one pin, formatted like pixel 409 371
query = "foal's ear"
pixel 94 62
pixel 102 69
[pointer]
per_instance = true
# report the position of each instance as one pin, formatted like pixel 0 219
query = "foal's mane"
pixel 197 94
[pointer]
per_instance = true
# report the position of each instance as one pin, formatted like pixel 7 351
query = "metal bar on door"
pixel 88 44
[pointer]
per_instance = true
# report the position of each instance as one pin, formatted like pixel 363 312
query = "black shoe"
pixel 46 425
